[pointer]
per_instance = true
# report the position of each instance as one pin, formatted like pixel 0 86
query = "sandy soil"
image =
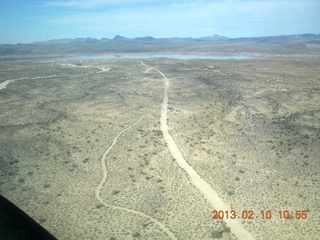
pixel 103 149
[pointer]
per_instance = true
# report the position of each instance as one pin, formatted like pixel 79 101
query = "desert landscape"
pixel 148 148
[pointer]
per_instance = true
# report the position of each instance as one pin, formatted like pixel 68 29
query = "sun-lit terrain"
pixel 83 151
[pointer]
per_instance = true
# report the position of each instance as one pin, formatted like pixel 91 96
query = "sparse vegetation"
pixel 250 128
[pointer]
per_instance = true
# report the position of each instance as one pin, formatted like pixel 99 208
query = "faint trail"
pixel 51 76
pixel 104 178
pixel 195 178
pixel 4 84
pixel 103 160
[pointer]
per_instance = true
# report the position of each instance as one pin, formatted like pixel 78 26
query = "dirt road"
pixel 195 178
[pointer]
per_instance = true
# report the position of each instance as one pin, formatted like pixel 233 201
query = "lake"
pixel 173 56
pixel 146 56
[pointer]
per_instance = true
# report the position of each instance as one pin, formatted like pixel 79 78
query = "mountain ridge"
pixel 148 44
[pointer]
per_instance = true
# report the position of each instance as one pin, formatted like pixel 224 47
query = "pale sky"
pixel 24 21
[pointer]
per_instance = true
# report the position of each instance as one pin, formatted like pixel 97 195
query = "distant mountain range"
pixel 120 38
pixel 148 44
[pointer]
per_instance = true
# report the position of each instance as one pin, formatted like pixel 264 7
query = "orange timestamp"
pixel 264 214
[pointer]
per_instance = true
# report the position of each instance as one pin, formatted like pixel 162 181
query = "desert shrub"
pixel 21 180
pixel 115 192
pixel 135 235
pixel 99 205
pixel 158 133
pixel 230 193
pixel 216 234
pixel 226 229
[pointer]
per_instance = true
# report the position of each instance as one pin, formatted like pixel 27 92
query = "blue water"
pixel 173 56
pixel 170 56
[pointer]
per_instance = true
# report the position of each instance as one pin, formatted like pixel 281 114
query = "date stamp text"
pixel 264 214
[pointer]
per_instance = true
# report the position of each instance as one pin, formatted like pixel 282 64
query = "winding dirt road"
pixel 104 178
pixel 195 178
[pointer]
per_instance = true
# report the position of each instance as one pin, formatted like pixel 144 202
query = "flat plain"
pixel 249 128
